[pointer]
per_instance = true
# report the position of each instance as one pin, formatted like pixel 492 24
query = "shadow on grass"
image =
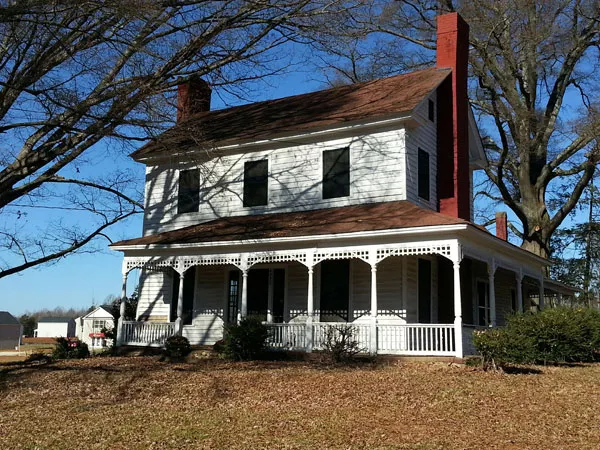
pixel 521 370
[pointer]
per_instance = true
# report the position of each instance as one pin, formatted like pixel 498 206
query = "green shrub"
pixel 340 343
pixel 70 349
pixel 246 341
pixel 555 335
pixel 177 347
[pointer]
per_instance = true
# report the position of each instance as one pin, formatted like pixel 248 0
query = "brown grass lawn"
pixel 139 402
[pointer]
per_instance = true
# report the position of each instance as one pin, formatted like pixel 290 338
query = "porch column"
pixel 270 298
pixel 373 333
pixel 458 343
pixel 492 287
pixel 520 292
pixel 122 310
pixel 310 310
pixel 244 306
pixel 542 299
pixel 179 320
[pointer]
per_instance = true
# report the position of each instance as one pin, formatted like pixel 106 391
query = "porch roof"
pixel 340 220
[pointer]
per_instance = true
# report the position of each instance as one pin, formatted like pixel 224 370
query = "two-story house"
pixel 350 205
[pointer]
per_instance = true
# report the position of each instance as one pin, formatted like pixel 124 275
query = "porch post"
pixel 542 299
pixel 119 336
pixel 244 306
pixel 520 291
pixel 270 298
pixel 373 333
pixel 179 320
pixel 492 287
pixel 458 343
pixel 310 310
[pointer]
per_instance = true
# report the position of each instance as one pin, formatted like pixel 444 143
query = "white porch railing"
pixel 287 336
pixel 362 333
pixel 397 339
pixel 149 334
pixel 416 339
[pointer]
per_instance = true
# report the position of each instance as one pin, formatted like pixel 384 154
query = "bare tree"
pixel 78 76
pixel 534 76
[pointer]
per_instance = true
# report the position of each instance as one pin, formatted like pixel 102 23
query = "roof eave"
pixel 309 238
pixel 290 138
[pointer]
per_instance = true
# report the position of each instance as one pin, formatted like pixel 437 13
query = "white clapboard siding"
pixel 390 303
pixel 360 290
pixel 155 294
pixel 425 137
pixel 295 174
pixel 209 303
pixel 505 283
pixel 297 288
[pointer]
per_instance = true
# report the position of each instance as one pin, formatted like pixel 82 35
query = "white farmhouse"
pixel 55 327
pixel 92 327
pixel 349 205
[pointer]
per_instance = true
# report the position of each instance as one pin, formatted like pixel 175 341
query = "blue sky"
pixel 85 279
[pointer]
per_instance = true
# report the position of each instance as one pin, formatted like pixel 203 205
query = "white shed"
pixel 55 327
pixel 90 328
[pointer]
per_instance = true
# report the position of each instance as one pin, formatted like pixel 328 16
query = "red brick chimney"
pixel 193 96
pixel 501 225
pixel 453 118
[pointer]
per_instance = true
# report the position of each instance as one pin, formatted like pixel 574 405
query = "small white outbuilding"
pixel 55 327
pixel 91 327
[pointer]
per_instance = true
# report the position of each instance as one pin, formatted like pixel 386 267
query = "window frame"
pixel 250 182
pixel 423 192
pixel 101 322
pixel 431 110
pixel 487 310
pixel 330 181
pixel 191 192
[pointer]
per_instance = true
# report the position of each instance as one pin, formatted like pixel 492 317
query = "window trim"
pixel 487 308
pixel 431 110
pixel 246 184
pixel 192 192
pixel 324 175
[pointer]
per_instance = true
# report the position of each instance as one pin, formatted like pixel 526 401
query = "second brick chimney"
pixel 453 117
pixel 501 225
pixel 193 96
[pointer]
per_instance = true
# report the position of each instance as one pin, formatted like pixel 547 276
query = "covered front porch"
pixel 406 298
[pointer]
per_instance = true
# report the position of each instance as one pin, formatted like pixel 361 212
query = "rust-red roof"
pixel 376 99
pixel 346 219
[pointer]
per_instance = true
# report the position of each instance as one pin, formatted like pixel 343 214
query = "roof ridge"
pixel 296 96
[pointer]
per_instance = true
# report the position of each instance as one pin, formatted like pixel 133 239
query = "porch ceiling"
pixel 347 219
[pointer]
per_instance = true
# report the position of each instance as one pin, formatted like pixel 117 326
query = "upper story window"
pixel 423 174
pixel 431 112
pixel 336 173
pixel 256 183
pixel 188 198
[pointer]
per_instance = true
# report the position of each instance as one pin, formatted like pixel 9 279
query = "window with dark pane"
pixel 431 110
pixel 423 171
pixel 335 287
pixel 336 173
pixel 188 197
pixel 256 184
